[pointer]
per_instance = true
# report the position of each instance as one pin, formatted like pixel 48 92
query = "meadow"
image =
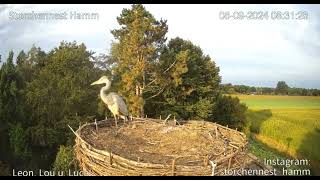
pixel 289 125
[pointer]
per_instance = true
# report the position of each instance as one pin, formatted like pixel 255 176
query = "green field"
pixel 289 125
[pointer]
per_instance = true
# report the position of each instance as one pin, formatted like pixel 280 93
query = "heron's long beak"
pixel 96 82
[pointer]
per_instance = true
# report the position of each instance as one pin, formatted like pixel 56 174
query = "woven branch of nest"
pixel 150 147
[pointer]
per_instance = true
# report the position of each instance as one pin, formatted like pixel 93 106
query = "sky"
pixel 248 51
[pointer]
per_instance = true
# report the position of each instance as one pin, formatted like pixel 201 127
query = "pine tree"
pixel 135 52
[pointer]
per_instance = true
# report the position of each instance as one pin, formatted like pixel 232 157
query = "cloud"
pixel 247 51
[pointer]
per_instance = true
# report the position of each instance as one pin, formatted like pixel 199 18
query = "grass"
pixel 281 102
pixel 288 125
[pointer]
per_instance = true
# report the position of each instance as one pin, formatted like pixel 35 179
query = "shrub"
pixel 19 142
pixel 65 160
pixel 229 111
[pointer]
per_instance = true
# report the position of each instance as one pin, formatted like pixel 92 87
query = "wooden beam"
pixel 173 167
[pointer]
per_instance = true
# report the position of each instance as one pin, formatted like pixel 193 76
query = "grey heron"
pixel 115 103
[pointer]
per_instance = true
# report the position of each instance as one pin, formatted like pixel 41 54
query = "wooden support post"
pixel 165 121
pixel 131 117
pixel 174 120
pixel 213 166
pixel 225 147
pixel 95 122
pixel 173 167
pixel 111 158
pixel 160 117
pixel 206 161
pixel 229 163
pixel 216 131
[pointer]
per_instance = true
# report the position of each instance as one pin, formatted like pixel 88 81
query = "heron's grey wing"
pixel 108 99
pixel 121 104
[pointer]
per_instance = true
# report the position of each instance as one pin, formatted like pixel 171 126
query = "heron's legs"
pixel 115 119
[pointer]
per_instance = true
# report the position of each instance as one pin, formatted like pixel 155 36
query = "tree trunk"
pixel 139 90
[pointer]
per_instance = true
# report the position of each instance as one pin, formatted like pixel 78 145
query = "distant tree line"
pixel 43 92
pixel 281 89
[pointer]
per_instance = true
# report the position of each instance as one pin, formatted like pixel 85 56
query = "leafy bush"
pixel 229 111
pixel 65 160
pixel 19 142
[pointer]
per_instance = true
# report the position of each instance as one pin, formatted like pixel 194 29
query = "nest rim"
pixel 80 142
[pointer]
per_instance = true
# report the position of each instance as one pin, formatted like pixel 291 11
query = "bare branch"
pixel 170 66
pixel 150 82
pixel 163 72
pixel 156 94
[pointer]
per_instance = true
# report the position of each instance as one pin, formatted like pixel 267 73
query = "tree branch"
pixel 150 82
pixel 163 72
pixel 156 94
pixel 170 66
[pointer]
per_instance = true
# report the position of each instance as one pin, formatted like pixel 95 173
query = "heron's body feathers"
pixel 121 105
pixel 114 102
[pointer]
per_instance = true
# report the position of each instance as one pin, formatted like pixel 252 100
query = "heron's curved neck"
pixel 106 87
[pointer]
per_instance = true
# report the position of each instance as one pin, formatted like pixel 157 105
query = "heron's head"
pixel 102 80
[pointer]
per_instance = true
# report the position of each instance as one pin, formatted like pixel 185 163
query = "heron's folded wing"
pixel 108 99
pixel 121 104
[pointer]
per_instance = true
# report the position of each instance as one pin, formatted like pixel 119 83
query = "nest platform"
pixel 154 147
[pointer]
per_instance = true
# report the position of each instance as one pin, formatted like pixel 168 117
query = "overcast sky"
pixel 251 52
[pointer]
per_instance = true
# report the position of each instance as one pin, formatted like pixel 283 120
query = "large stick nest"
pixel 153 147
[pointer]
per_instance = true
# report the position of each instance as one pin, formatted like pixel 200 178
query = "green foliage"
pixel 39 97
pixel 282 88
pixel 243 89
pixel 21 58
pixel 19 142
pixel 11 110
pixel 228 88
pixel 10 95
pixel 229 111
pixel 190 82
pixel 266 90
pixel 139 41
pixel 60 92
pixel 55 92
pixel 65 160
